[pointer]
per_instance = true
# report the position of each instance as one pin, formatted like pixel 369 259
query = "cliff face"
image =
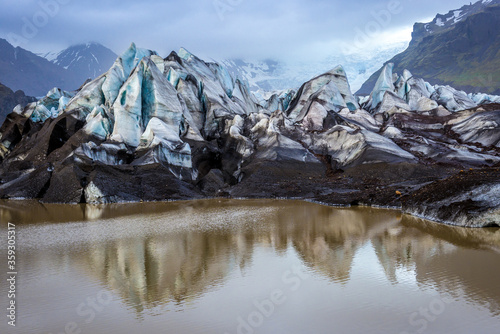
pixel 463 52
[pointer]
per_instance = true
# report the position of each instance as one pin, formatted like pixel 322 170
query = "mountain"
pixel 274 75
pixel 35 75
pixel 9 99
pixel 154 128
pixel 84 61
pixel 461 49
pixel 68 69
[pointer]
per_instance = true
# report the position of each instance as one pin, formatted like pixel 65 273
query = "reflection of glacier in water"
pixel 153 255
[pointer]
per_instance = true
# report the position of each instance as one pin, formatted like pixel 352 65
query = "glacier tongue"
pixel 151 105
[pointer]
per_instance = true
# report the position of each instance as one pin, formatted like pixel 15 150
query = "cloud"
pixel 216 28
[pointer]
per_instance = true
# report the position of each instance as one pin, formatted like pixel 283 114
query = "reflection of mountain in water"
pixel 152 265
pixel 329 240
pixel 458 261
pixel 182 265
pixel 465 269
pixel 172 268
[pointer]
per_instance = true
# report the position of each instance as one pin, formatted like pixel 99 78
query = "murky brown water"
pixel 223 266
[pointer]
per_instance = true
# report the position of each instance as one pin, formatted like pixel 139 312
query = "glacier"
pixel 154 128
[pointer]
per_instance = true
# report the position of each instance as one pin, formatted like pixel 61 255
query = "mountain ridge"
pixel 21 69
pixel 85 60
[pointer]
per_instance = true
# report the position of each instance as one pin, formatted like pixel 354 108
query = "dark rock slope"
pixel 154 128
pixel 9 99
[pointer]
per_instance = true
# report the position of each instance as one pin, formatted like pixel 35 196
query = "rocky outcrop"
pixel 470 198
pixel 154 128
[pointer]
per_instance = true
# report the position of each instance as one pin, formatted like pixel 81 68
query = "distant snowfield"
pixel 273 75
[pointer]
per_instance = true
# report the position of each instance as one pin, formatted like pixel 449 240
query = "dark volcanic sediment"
pixel 181 128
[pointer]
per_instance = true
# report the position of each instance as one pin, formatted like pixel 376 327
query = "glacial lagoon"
pixel 253 266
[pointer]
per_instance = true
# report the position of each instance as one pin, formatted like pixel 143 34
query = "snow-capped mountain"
pixel 36 74
pixel 275 75
pixel 84 61
pixel 23 70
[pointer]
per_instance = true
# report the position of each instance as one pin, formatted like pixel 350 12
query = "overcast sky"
pixel 219 29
